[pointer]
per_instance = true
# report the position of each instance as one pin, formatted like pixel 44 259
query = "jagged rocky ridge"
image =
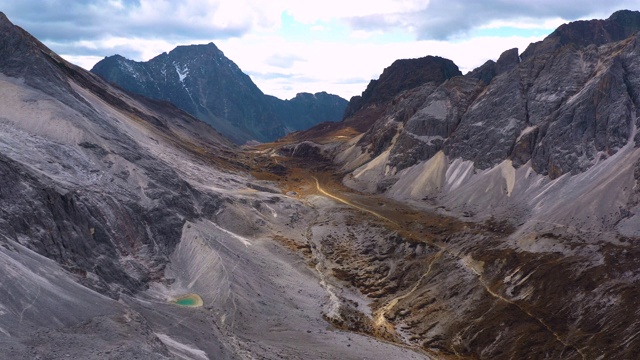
pixel 202 81
pixel 545 143
pixel 113 205
pixel 563 107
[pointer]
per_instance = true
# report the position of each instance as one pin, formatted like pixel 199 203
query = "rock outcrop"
pixel 401 76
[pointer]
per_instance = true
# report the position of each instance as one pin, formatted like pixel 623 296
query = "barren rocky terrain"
pixel 491 215
pixel 115 207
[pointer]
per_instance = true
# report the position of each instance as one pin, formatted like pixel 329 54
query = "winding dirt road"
pixel 380 318
pixel 347 202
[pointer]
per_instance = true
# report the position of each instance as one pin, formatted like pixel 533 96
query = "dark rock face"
pixel 619 26
pixel 571 100
pixel 486 72
pixel 507 61
pixel 598 121
pixel 200 80
pixel 403 75
pixel 439 116
pixel 88 233
pixel 489 127
pixel 25 57
pixel 306 110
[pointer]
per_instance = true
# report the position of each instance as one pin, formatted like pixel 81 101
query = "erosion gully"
pixel 298 178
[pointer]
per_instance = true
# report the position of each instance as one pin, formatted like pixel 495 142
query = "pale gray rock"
pixel 113 206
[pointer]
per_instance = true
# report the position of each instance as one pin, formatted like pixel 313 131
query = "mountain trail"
pixel 380 319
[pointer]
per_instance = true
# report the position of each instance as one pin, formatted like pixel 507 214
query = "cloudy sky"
pixel 291 46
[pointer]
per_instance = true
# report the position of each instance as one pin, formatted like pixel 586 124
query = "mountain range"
pixel 202 81
pixel 490 215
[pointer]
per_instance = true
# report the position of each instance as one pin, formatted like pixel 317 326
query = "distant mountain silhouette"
pixel 201 80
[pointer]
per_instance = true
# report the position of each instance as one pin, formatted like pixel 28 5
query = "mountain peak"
pixel 404 74
pixel 625 16
pixel 23 56
pixel 202 81
pixel 619 26
pixel 197 49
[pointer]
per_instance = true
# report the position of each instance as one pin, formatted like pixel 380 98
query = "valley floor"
pixel 445 286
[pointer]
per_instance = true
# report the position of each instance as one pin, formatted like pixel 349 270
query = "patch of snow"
pixel 182 72
pixel 128 68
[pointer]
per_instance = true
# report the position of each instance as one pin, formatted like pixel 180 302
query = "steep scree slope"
pixel 112 206
pixel 541 147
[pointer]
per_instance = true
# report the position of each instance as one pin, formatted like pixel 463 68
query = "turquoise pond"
pixel 187 301
pixel 190 300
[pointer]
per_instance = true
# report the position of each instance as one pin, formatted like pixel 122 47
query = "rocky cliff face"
pixel 567 106
pixel 404 75
pixel 567 103
pixel 200 80
pixel 541 147
pixel 115 209
pixel 398 81
pixel 401 76
pixel 497 216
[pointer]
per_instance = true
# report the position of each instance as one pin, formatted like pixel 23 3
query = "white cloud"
pixel 84 61
pixel 323 70
pixel 376 33
pixel 363 34
pixel 525 23
pixel 309 12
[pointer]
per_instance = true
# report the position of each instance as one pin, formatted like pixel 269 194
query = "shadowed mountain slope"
pixel 202 81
